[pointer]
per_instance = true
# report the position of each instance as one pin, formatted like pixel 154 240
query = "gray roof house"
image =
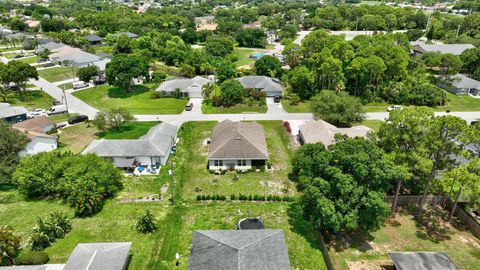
pixel 422 261
pixel 12 115
pixel 239 249
pixel 150 149
pixel 460 84
pixel 323 132
pixel 99 256
pixel 270 86
pixel 50 46
pixel 73 56
pixel 420 47
pixel 128 34
pixel 237 145
pixel 190 87
pixel 94 39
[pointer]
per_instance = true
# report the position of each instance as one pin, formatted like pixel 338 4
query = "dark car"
pixel 99 82
pixel 77 119
pixel 276 99
pixel 18 56
pixel 56 102
pixel 49 64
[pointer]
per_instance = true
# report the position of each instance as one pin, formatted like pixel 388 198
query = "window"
pixel 218 163
pixel 244 162
pixel 241 162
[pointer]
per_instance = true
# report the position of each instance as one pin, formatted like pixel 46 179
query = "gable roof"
pixel 422 261
pixel 262 83
pixel 239 249
pixel 74 55
pixel 51 46
pixel 461 81
pixel 99 256
pixel 93 38
pixel 321 131
pixel 8 111
pixel 38 124
pixel 129 34
pixel 455 49
pixel 238 140
pixel 186 85
pixel 156 142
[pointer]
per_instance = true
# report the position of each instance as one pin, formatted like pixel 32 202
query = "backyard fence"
pixel 465 218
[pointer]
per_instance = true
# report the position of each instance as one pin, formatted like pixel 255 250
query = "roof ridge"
pixel 219 240
pixel 258 240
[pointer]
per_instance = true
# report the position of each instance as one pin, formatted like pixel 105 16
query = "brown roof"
pixel 33 134
pixel 238 140
pixel 37 124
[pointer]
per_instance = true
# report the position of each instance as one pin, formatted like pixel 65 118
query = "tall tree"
pixel 268 66
pixel 19 73
pixel 12 142
pixel 123 68
pixel 338 109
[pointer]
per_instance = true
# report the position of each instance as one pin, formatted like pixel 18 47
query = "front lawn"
pixel 137 101
pixel 57 74
pixel 63 117
pixel 258 107
pixel 373 124
pixel 31 100
pixel 129 131
pixel 65 86
pixel 29 60
pixel 243 55
pixel 75 138
pixel 301 107
pixel 402 234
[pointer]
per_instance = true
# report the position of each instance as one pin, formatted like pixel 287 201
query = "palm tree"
pixel 207 89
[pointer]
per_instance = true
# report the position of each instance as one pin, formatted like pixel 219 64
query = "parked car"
pixel 77 119
pixel 189 106
pixel 57 109
pixel 37 112
pixel 394 107
pixel 98 82
pixel 56 102
pixel 79 84
pixel 60 125
pixel 18 56
pixel 276 99
pixel 42 60
pixel 48 64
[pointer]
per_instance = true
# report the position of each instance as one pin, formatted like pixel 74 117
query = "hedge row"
pixel 242 197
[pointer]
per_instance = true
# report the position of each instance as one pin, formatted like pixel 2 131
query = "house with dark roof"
pixel 460 84
pixel 150 149
pixel 189 87
pixel 94 39
pixel 99 256
pixel 238 249
pixel 420 47
pixel 320 131
pixel 12 114
pixel 422 261
pixel 36 130
pixel 270 86
pixel 237 145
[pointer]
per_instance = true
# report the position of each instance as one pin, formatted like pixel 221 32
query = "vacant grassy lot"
pixel 29 60
pixel 75 138
pixel 102 49
pixel 239 108
pixel 31 100
pixel 137 101
pixel 131 130
pixel 373 124
pixel 301 107
pixel 57 74
pixel 402 234
pixel 243 55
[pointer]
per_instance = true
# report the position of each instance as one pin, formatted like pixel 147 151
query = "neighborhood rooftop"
pixel 422 261
pixel 190 86
pixel 7 111
pixel 238 140
pixel 239 249
pixel 265 84
pixel 455 49
pixel 462 81
pixel 128 34
pixel 321 131
pixel 99 256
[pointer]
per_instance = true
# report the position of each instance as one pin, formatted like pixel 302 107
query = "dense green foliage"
pixel 339 109
pixel 12 142
pixel 87 73
pixel 344 186
pixel 231 92
pixel 83 181
pixel 46 231
pixel 9 245
pixel 146 223
pixel 28 257
pixel 269 66
pixel 112 119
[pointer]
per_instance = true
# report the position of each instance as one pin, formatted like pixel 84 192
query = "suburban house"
pixel 94 39
pixel 422 261
pixel 150 149
pixel 49 46
pixel 237 145
pixel 323 132
pixel 239 249
pixel 420 47
pixel 72 57
pixel 12 115
pixel 128 34
pixel 270 86
pixel 189 87
pixel 36 130
pixel 205 23
pixel 460 84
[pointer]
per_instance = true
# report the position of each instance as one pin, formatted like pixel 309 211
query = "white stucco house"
pixel 36 130
pixel 151 149
pixel 237 146
pixel 320 131
pixel 189 87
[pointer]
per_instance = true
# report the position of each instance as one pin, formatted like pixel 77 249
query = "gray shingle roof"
pixel 238 140
pixel 49 46
pixel 262 83
pixel 93 38
pixel 12 111
pixel 129 34
pixel 186 85
pixel 73 55
pixel 461 81
pixel 156 142
pixel 239 249
pixel 455 49
pixel 99 256
pixel 321 131
pixel 422 261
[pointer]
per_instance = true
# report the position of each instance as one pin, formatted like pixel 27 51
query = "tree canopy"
pixel 12 142
pixel 123 68
pixel 339 109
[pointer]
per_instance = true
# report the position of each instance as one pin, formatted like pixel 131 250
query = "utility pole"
pixel 65 99
pixel 172 182
pixel 458 31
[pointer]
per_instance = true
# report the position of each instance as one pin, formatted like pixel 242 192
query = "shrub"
pixel 48 230
pixel 158 76
pixel 208 198
pixel 38 241
pixel 199 197
pixel 146 223
pixel 233 197
pixel 28 257
pixel 287 127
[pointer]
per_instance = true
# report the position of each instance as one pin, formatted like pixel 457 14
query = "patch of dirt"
pixel 466 240
pixel 370 265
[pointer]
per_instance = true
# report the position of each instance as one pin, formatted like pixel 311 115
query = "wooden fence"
pixel 465 218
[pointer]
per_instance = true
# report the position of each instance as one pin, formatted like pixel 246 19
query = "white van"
pixel 57 109
pixel 79 84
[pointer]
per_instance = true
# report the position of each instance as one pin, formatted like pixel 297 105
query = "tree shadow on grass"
pixel 355 240
pixel 431 225
pixel 301 226
pixel 118 92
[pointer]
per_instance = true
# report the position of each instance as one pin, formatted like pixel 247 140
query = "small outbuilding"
pixel 12 114
pixel 94 39
pixel 422 261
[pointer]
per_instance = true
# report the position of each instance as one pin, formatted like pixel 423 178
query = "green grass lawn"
pixel 10 49
pixel 131 130
pixel 102 49
pixel 75 138
pixel 402 234
pixel 243 55
pixel 31 100
pixel 63 117
pixel 138 101
pixel 65 86
pixel 57 74
pixel 239 108
pixel 301 107
pixel 29 60
pixel 373 124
